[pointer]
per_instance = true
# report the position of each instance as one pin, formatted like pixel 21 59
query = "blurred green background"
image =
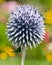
pixel 42 55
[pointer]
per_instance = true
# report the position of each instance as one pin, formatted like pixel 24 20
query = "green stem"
pixel 23 55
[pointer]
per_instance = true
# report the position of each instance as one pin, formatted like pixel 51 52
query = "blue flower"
pixel 25 26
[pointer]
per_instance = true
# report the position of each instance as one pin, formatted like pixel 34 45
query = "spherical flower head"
pixel 25 26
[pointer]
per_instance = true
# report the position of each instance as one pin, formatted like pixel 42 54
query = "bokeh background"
pixel 42 55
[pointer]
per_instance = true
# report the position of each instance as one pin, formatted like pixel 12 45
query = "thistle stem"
pixel 23 55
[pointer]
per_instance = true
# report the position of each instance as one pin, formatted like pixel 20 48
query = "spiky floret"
pixel 25 26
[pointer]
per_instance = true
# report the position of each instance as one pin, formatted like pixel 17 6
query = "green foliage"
pixel 3 37
pixel 29 61
pixel 37 52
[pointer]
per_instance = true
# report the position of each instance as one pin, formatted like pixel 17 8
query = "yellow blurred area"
pixel 3 55
pixel 48 16
pixel 5 52
pixel 9 51
pixel 49 57
pixel 1 1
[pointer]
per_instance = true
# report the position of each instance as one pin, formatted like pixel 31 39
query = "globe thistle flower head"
pixel 25 26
